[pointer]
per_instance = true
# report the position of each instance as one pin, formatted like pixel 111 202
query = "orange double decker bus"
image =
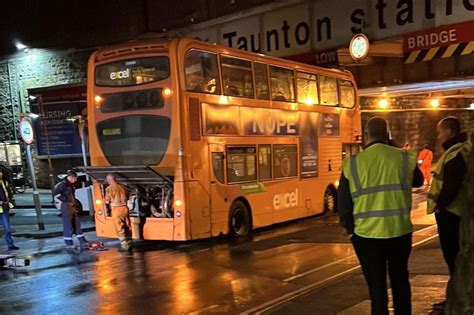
pixel 212 140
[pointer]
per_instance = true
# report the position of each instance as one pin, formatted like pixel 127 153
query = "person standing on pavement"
pixel 64 194
pixel 444 197
pixel 5 205
pixel 116 195
pixel 374 202
pixel 425 157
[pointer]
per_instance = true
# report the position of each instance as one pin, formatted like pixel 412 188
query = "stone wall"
pixel 36 68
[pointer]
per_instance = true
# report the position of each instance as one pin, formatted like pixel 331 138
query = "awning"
pixel 128 175
pixel 417 88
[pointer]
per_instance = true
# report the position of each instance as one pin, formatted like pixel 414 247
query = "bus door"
pixel 218 191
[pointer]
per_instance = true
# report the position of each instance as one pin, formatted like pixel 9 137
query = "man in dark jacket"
pixel 5 204
pixel 64 195
pixel 444 197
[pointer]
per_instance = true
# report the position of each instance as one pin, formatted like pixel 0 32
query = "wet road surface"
pixel 210 276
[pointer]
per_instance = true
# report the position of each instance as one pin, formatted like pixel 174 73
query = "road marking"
pixel 352 256
pixel 260 309
pixel 202 310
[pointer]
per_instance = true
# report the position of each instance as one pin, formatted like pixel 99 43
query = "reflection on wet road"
pixel 218 275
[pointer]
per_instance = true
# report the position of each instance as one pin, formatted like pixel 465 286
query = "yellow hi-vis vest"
pixel 4 186
pixel 380 179
pixel 437 181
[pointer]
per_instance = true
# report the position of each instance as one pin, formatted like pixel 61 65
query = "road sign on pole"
pixel 26 132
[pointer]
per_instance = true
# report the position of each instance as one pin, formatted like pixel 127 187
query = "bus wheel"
pixel 239 219
pixel 330 201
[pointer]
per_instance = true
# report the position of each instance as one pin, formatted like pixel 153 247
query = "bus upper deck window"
pixel 282 84
pixel 307 88
pixel 200 68
pixel 328 90
pixel 261 81
pixel 346 94
pixel 237 77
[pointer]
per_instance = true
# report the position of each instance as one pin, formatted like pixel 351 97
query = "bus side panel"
pixel 330 158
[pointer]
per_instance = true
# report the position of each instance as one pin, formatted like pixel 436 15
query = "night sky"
pixel 69 23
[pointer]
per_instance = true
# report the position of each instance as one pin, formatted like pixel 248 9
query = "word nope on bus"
pixel 124 74
pixel 285 200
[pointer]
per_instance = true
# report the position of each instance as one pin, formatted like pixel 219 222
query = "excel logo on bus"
pixel 125 74
pixel 285 200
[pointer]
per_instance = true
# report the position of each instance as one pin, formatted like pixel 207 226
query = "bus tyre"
pixel 330 201
pixel 239 219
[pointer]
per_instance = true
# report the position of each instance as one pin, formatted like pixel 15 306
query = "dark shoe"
pixel 11 214
pixel 13 247
pixel 439 306
pixel 68 243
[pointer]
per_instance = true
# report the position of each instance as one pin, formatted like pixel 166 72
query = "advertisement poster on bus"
pixel 329 125
pixel 285 162
pixel 266 122
pixel 62 137
pixel 220 120
pixel 309 145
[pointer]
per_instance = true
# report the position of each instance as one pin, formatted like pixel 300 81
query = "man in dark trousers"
pixel 5 205
pixel 374 202
pixel 64 194
pixel 444 197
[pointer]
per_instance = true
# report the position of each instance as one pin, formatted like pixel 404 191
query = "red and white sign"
pixel 359 47
pixel 438 37
pixel 26 131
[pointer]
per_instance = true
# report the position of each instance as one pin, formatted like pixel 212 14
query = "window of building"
pixel 346 94
pixel 265 162
pixel 283 84
pixel 285 160
pixel 201 72
pixel 237 77
pixel 218 166
pixel 261 81
pixel 241 164
pixel 307 88
pixel 328 90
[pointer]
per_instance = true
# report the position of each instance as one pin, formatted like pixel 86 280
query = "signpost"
pixel 359 47
pixel 26 132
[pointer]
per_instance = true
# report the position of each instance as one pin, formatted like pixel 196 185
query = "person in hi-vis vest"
pixel 374 203
pixel 445 194
pixel 5 206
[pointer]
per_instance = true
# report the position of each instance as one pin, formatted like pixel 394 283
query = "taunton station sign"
pixel 300 27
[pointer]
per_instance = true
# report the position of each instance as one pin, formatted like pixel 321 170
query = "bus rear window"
pixel 132 72
pixel 346 94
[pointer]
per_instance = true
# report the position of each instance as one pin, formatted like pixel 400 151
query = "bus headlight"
pixel 166 92
pixel 178 203
pixel 98 202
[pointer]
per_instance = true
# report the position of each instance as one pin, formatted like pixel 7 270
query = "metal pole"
pixel 84 160
pixel 48 148
pixel 36 198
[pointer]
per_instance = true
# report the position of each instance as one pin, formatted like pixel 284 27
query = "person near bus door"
pixel 425 157
pixel 116 195
pixel 374 202
pixel 445 196
pixel 64 196
pixel 5 206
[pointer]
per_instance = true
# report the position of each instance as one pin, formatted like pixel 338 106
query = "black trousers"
pixel 448 231
pixel 375 255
